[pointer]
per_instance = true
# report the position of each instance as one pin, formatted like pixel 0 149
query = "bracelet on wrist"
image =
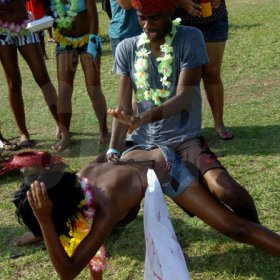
pixel 113 151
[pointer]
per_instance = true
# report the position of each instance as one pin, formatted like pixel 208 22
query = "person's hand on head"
pixel 39 202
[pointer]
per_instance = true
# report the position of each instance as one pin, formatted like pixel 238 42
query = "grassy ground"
pixel 251 77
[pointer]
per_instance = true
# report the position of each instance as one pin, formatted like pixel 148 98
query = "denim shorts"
pixel 69 49
pixel 216 31
pixel 179 178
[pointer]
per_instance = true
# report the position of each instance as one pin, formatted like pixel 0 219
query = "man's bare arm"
pixel 187 85
pixel 119 129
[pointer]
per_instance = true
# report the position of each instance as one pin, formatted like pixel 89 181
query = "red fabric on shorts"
pixel 197 156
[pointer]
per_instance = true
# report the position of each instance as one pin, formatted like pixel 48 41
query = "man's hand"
pixel 191 8
pixel 130 120
pixel 39 202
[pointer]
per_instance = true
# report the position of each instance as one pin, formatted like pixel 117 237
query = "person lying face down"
pixel 114 190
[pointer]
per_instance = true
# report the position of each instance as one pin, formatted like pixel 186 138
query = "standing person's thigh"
pixel 215 52
pixel 33 56
pixel 67 63
pixel 9 61
pixel 91 69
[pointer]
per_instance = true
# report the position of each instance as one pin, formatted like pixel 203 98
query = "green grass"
pixel 251 78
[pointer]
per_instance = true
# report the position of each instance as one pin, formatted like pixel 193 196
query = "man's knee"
pixel 222 185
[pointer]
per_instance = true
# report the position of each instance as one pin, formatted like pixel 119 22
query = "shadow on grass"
pixel 235 27
pixel 249 140
pixel 81 145
pixel 129 242
pixel 245 261
pixel 8 250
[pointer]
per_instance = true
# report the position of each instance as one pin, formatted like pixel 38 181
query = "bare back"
pixel 120 186
pixel 124 184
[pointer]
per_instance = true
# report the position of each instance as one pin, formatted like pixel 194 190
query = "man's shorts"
pixel 179 177
pixel 19 40
pixel 197 156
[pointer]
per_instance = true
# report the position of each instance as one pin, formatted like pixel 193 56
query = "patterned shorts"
pixel 19 40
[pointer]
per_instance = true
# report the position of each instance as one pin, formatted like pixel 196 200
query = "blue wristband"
pixel 94 45
pixel 113 151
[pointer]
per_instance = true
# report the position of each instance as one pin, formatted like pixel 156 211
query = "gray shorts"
pixel 180 177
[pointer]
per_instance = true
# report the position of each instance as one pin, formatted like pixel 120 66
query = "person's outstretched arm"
pixel 119 129
pixel 187 84
pixel 68 267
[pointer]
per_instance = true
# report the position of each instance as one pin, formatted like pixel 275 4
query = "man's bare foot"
pixel 27 238
pixel 61 145
pixel 104 137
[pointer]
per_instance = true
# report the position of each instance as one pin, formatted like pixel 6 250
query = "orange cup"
pixel 206 9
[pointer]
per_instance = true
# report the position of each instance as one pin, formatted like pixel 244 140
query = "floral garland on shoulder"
pixel 66 13
pixel 82 225
pixel 144 90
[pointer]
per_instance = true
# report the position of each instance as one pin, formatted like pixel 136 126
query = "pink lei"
pixel 13 28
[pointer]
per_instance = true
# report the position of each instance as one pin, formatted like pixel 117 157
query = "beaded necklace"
pixel 66 13
pixel 144 90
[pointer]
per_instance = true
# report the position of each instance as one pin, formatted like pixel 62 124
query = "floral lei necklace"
pixel 66 13
pixel 14 28
pixel 82 226
pixel 144 90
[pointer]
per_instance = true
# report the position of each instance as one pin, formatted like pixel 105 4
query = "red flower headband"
pixel 153 6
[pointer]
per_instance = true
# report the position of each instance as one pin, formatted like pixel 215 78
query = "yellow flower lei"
pixel 65 41
pixel 144 90
pixel 81 227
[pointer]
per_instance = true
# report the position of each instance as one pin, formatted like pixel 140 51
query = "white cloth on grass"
pixel 164 258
